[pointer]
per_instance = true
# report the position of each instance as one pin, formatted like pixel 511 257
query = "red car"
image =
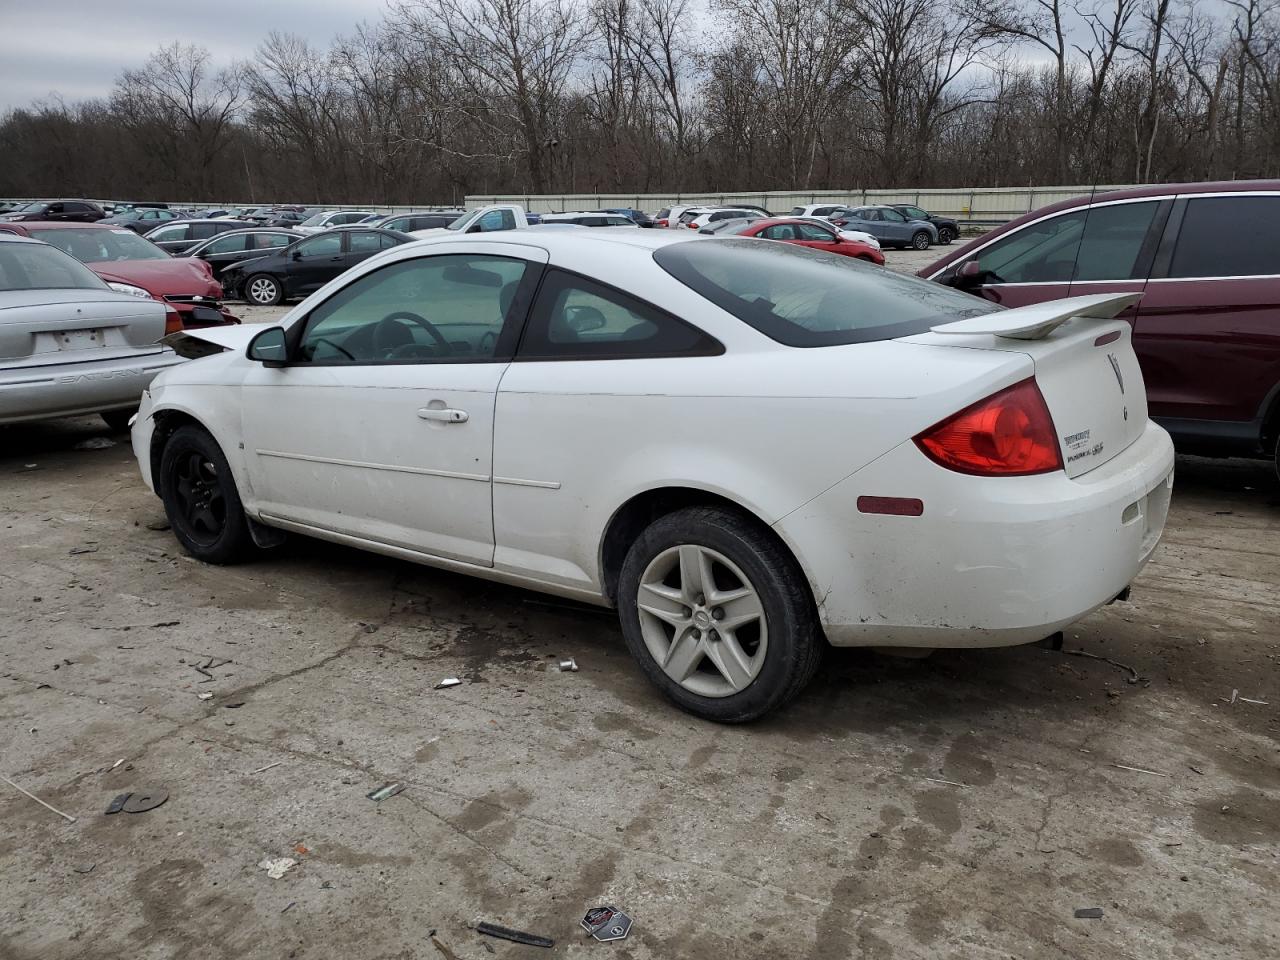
pixel 805 233
pixel 1206 259
pixel 131 264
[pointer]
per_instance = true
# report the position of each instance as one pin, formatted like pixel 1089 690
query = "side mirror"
pixel 296 255
pixel 269 348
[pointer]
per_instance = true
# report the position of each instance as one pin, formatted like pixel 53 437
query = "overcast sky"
pixel 75 48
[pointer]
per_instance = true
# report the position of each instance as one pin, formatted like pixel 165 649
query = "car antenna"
pixel 1075 262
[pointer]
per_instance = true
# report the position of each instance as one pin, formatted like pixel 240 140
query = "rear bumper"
pixel 992 561
pixel 73 389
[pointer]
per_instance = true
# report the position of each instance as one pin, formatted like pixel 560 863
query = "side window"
pixel 445 308
pixel 328 245
pixel 401 223
pixel 270 241
pixel 203 231
pixel 496 220
pixel 891 215
pixel 385 242
pixel 1113 239
pixel 1229 237
pixel 56 208
pixel 363 241
pixel 797 211
pixel 783 231
pixel 873 216
pixel 232 244
pixel 1103 243
pixel 810 232
pixel 176 232
pixel 575 318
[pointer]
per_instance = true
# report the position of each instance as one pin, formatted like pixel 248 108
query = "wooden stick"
pixel 64 816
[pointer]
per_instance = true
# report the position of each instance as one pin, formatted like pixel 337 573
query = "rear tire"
pixel 118 420
pixel 946 235
pixel 262 290
pixel 920 240
pixel 201 500
pixel 718 614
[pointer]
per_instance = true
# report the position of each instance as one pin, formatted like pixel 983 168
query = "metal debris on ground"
pixel 448 682
pixel 1154 773
pixel 140 801
pixel 267 767
pixel 116 805
pixel 569 666
pixel 1133 677
pixel 95 443
pixel 385 791
pixel 64 816
pixel 84 868
pixel 204 696
pixel 211 665
pixel 277 867
pixel 607 923
pixel 515 936
pixel 1235 695
pixel 1089 913
pixel 1259 703
pixel 78 550
pixel 117 763
pixel 292 904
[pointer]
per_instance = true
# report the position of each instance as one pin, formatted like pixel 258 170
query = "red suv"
pixel 1206 259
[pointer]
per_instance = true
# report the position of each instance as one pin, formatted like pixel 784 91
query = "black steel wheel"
pixel 201 500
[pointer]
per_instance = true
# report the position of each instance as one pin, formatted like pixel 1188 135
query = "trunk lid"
pixel 70 326
pixel 1084 365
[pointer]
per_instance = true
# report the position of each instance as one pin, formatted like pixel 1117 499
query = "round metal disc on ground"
pixel 143 800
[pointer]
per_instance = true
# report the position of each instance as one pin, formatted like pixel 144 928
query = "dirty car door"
pixel 380 426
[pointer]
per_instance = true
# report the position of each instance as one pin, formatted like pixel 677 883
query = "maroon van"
pixel 1205 257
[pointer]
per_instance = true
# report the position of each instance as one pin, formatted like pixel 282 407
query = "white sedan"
pixel 750 449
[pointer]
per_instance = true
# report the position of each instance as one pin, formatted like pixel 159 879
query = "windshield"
pixel 34 266
pixel 808 298
pixel 313 221
pixel 464 221
pixel 94 245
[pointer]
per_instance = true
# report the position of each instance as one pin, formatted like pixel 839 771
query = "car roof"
pixel 64 225
pixel 568 241
pixel 6 237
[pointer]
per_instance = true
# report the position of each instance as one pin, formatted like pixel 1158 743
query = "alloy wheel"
pixel 198 491
pixel 702 620
pixel 262 290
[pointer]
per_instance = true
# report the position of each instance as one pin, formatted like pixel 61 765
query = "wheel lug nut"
pixel 718 613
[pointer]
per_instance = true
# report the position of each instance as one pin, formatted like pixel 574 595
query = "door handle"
pixel 444 414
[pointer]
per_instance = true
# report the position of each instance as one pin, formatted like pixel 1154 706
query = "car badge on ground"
pixel 607 923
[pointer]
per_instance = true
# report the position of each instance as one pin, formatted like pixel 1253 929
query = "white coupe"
pixel 750 449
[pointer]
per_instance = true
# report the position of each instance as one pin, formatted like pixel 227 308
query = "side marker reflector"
pixel 893 506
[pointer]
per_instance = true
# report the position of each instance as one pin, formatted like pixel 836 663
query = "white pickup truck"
pixel 499 216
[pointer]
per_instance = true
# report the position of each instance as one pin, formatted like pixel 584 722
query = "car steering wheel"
pixel 382 327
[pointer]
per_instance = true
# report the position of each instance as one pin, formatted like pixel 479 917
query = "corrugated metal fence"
pixel 979 205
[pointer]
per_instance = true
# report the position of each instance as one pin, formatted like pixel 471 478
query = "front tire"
pixel 201 500
pixel 920 240
pixel 718 614
pixel 263 290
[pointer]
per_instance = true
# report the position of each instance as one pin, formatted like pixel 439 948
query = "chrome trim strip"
pixel 516 482
pixel 391 467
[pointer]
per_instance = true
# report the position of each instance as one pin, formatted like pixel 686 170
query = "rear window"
pixel 1229 237
pixel 34 266
pixel 96 245
pixel 808 298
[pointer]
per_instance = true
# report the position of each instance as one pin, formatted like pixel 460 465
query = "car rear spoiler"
pixel 1038 320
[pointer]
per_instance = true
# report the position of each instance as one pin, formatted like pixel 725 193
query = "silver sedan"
pixel 69 344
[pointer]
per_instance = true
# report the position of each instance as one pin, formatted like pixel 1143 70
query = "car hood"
pixel 244 265
pixel 163 278
pixel 207 341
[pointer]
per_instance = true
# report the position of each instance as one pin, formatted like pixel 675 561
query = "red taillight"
pixel 172 321
pixel 1009 434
